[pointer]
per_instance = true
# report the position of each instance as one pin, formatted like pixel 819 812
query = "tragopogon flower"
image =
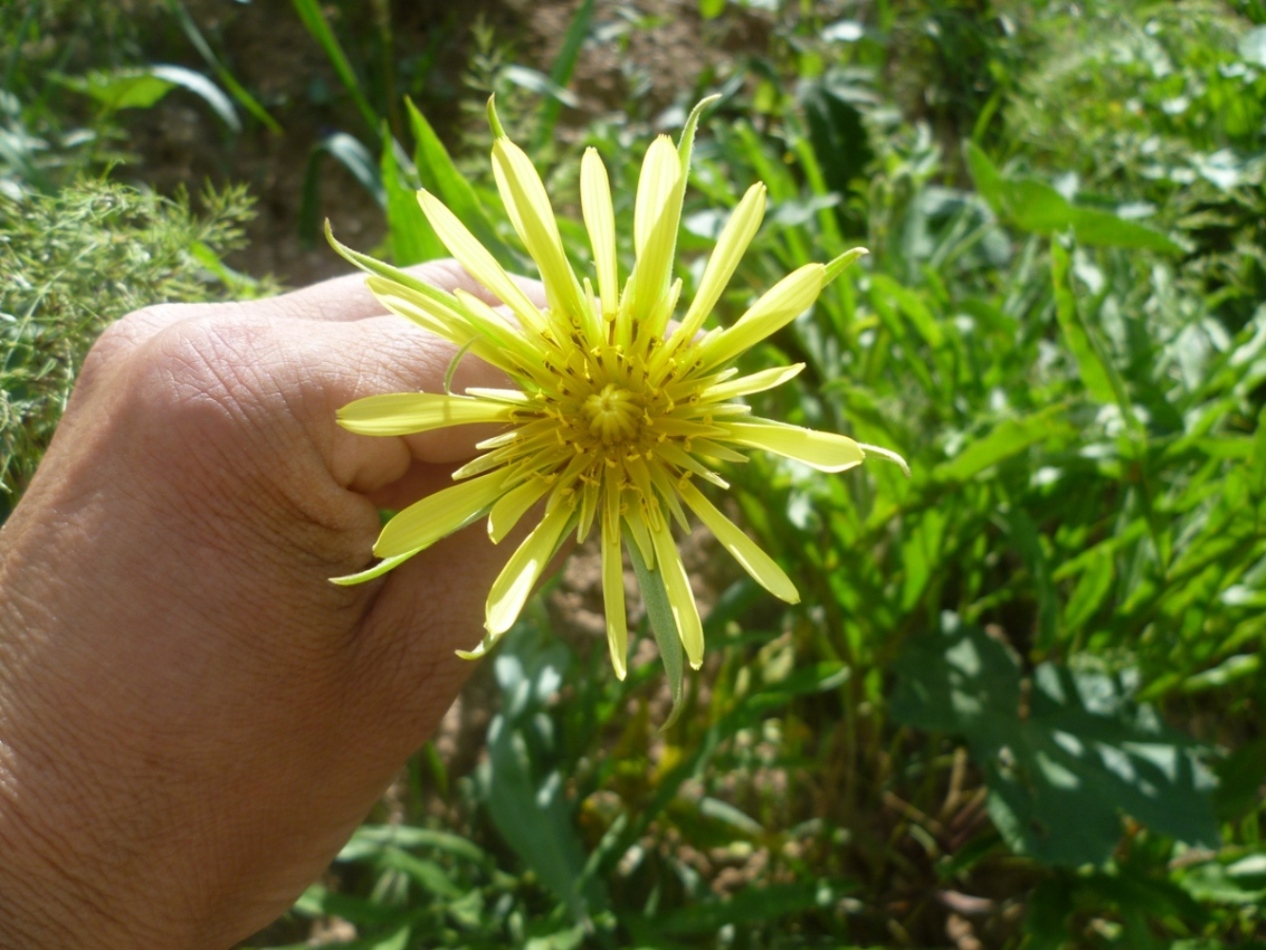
pixel 616 420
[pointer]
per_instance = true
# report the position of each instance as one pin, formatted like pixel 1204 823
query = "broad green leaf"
pixel 1036 207
pixel 1062 770
pixel 121 89
pixel 141 88
pixel 1095 228
pixel 527 797
pixel 1027 541
pixel 1007 439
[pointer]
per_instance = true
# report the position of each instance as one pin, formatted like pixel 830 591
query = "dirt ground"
pixel 264 44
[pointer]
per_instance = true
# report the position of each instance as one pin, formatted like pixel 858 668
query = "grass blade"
pixel 227 79
pixel 561 72
pixel 310 13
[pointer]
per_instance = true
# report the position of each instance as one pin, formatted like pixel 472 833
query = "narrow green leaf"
pixel 118 89
pixel 989 181
pixel 353 156
pixel 203 88
pixel 663 625
pixel 1091 590
pixel 915 308
pixel 412 238
pixel 534 80
pixel 235 88
pixel 440 176
pixel 1095 372
pixel 310 13
pixel 561 72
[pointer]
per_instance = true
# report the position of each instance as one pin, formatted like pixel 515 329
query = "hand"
pixel 192 718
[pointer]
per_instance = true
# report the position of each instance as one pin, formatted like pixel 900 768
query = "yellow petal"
pixel 436 516
pixel 515 582
pixel 406 413
pixel 680 597
pixel 613 584
pixel 656 217
pixel 764 570
pixel 712 450
pixel 514 396
pixel 755 383
pixel 781 304
pixel 842 263
pixel 667 488
pixel 887 455
pixel 445 320
pixel 533 218
pixel 477 260
pixel 513 505
pixel 735 237
pixel 661 170
pixel 492 327
pixel 638 530
pixel 683 460
pixel 377 570
pixel 825 451
pixel 590 497
pixel 595 204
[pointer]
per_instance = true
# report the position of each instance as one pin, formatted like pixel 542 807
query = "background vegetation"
pixel 1021 702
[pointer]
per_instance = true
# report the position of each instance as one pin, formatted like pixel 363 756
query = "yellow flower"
pixel 616 418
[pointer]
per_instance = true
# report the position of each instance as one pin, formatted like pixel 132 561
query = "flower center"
pixel 613 414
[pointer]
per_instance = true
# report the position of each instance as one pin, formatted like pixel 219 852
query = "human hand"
pixel 192 718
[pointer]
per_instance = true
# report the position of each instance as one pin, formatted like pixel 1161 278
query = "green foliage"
pixel 1064 753
pixel 74 262
pixel 1079 398
pixel 1024 681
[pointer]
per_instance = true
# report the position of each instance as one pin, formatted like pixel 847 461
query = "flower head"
pixel 618 417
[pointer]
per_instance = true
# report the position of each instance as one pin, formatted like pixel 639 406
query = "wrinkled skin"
pixel 192 718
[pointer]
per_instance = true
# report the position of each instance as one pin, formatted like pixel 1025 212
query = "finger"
pixel 342 299
pixel 347 298
pixel 333 364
